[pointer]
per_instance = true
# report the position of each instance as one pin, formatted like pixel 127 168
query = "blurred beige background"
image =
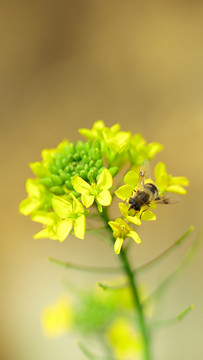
pixel 65 64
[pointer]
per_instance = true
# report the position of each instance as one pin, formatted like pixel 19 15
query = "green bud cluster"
pixel 83 159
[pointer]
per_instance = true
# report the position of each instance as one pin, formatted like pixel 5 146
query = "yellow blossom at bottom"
pixel 124 340
pixel 57 318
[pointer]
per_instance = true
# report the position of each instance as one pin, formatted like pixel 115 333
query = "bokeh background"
pixel 65 64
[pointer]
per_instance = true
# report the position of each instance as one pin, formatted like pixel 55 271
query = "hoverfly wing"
pixel 145 173
pixel 168 198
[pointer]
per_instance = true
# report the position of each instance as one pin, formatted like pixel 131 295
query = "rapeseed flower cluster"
pixel 74 180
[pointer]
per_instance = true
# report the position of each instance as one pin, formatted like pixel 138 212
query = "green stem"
pixel 92 269
pixel 131 275
pixel 138 306
pixel 175 319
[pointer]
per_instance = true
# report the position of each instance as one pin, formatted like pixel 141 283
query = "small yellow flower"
pixel 69 212
pixel 114 143
pixel 96 191
pixel 139 150
pixel 57 319
pixel 39 198
pixel 169 183
pixel 121 231
pixel 49 220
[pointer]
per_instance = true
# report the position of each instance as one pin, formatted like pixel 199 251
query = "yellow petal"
pixel 80 185
pixel 148 215
pixel 63 229
pixel 118 244
pixel 61 206
pixel 79 227
pixel 124 192
pixel 105 180
pixel 87 200
pixel 134 236
pixel 104 198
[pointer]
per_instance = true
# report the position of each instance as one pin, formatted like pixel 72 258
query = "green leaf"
pixel 124 192
pixel 63 229
pixel 61 206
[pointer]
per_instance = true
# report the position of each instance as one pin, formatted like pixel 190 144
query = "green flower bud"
pixel 86 167
pixel 85 159
pixel 76 157
pixel 113 171
pixel 82 153
pixel 67 169
pixel 64 162
pixel 91 163
pixel 87 147
pixel 58 163
pixel 46 181
pixel 96 154
pixel 79 168
pixel 96 144
pixel 99 163
pixel 71 148
pixel 64 176
pixel 70 158
pixel 69 185
pixel 100 170
pixel 91 175
pixel 53 169
pixel 80 145
pixel 75 193
pixel 56 179
pixel 83 174
pixel 58 190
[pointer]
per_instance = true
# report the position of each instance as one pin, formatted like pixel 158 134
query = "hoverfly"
pixel 148 192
